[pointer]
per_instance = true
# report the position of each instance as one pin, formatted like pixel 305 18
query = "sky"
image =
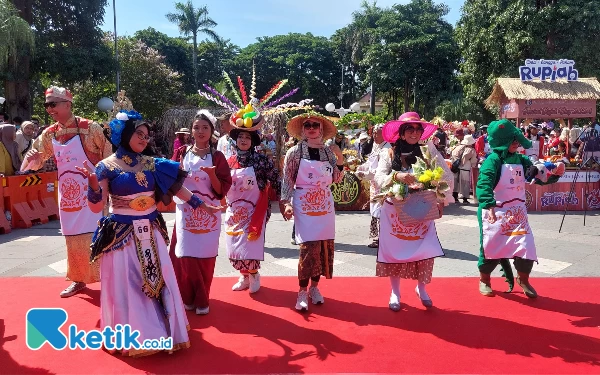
pixel 244 21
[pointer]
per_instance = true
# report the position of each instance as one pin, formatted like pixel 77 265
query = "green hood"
pixel 502 133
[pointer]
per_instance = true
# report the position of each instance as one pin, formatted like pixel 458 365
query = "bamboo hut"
pixel 544 99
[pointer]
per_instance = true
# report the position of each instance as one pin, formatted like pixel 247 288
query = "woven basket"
pixel 417 207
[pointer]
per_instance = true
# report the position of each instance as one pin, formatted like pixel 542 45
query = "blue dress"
pixel 138 284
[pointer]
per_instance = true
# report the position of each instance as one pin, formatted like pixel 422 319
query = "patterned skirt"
pixel 316 259
pixel 420 270
pixel 79 268
pixel 245 265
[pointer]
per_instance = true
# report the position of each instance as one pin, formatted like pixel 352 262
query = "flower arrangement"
pixel 429 177
pixel 352 160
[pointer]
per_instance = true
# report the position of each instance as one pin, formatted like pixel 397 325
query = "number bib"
pixel 148 257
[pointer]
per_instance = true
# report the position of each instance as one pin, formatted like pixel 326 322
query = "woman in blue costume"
pixel 138 284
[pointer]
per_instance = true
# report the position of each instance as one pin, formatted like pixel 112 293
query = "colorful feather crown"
pixel 247 111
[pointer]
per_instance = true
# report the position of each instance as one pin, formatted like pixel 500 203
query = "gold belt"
pixel 141 203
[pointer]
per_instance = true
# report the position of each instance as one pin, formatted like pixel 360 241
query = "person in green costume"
pixel 503 226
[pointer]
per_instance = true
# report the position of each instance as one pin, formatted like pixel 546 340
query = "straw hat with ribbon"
pixel 295 125
pixel 391 128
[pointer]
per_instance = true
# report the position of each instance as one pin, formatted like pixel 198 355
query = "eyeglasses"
pixel 414 129
pixel 142 136
pixel 311 125
pixel 53 104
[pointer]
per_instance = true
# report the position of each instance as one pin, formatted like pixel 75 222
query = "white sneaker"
pixel 316 296
pixel 242 284
pixel 302 301
pixel 188 307
pixel 203 311
pixel 254 282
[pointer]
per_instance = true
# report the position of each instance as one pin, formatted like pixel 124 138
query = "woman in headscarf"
pixel 138 283
pixel 195 240
pixel 310 168
pixel 25 137
pixel 407 250
pixel 10 160
pixel 248 205
pixel 367 171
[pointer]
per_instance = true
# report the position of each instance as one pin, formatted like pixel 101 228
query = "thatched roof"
pixel 514 88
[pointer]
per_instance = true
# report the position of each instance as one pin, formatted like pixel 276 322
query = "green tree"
pixel 414 55
pixel 150 84
pixel 69 40
pixel 191 22
pixel 304 59
pixel 177 53
pixel 496 36
pixel 16 46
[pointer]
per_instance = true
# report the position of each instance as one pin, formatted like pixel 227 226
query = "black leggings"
pixel 522 265
pixel 304 283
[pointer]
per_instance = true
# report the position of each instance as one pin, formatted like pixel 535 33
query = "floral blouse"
pixel 263 168
pixel 292 163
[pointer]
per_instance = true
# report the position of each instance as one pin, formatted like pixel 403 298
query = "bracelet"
pixel 94 196
pixel 195 202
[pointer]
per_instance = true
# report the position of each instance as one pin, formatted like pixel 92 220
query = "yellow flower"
pixel 438 173
pixel 424 178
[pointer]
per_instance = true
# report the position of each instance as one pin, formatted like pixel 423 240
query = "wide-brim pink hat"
pixel 390 129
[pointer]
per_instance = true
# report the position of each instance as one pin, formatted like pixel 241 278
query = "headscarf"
pixel 7 132
pixel 314 143
pixel 403 148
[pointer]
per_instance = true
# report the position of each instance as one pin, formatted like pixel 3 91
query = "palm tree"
pixel 15 34
pixel 191 22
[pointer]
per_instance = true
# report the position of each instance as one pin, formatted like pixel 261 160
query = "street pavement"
pixel 575 252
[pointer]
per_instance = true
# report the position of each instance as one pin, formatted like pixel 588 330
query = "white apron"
pixel 372 162
pixel 510 236
pixel 75 214
pixel 314 214
pixel 400 243
pixel 241 204
pixel 534 151
pixel 197 230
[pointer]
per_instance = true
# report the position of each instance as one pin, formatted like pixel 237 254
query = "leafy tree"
pixel 414 56
pixel 191 22
pixel 69 40
pixel 15 33
pixel 150 84
pixel 177 53
pixel 304 59
pixel 496 36
pixel 16 46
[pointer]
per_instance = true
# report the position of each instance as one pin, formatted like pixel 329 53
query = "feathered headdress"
pixel 248 112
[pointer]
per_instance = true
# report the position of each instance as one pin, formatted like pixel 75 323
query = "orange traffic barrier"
pixel 31 198
pixel 4 224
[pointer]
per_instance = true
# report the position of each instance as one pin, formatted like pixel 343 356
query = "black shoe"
pixel 465 201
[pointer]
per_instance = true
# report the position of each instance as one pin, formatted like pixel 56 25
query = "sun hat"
pixel 468 140
pixel 390 129
pixel 294 126
pixel 183 131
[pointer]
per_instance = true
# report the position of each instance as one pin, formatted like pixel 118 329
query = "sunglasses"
pixel 311 125
pixel 53 104
pixel 414 129
pixel 142 136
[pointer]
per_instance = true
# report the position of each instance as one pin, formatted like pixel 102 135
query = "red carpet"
pixel 353 332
